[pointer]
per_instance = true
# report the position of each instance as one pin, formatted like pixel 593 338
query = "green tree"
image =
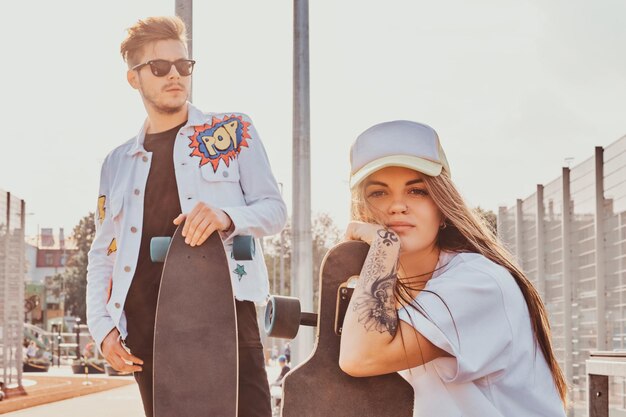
pixel 325 235
pixel 489 217
pixel 74 278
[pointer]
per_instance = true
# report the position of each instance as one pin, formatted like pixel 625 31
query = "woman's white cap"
pixel 400 143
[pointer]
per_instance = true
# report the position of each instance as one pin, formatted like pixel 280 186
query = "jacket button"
pixel 127 269
pixel 133 229
pixel 145 158
pixel 117 305
pixel 225 174
pixel 137 191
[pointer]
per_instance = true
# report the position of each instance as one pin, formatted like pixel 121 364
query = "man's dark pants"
pixel 254 393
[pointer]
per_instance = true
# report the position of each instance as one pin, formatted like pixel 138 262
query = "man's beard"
pixel 164 109
pixel 161 108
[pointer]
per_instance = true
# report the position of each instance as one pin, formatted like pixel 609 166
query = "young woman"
pixel 439 299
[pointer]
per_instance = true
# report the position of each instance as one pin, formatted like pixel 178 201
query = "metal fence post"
pixel 519 228
pixel 20 289
pixel 540 236
pixel 4 281
pixel 600 267
pixel 598 396
pixel 567 276
pixel 500 222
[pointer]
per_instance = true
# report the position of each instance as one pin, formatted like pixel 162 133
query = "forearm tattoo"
pixel 389 238
pixel 376 306
pixel 375 302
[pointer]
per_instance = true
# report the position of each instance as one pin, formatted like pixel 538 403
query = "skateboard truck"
pixel 283 315
pixel 243 248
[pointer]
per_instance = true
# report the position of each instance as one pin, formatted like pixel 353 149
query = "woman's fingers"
pixel 362 231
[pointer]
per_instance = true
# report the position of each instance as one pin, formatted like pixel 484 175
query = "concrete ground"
pixel 124 401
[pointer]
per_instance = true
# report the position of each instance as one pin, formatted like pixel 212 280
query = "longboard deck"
pixel 195 339
pixel 318 387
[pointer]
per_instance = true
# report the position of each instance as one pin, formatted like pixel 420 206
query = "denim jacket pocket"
pixel 222 173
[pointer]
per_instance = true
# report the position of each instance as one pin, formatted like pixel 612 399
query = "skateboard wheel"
pixel 243 248
pixel 282 317
pixel 158 248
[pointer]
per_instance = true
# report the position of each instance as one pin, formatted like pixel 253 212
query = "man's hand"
pixel 362 231
pixel 117 356
pixel 201 222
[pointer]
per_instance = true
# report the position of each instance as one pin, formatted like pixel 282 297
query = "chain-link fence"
pixel 12 268
pixel 570 238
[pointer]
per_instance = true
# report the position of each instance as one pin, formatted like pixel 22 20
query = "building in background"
pixel 46 258
pixel 570 239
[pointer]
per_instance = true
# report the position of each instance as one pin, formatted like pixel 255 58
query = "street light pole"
pixel 282 253
pixel 184 10
pixel 77 338
pixel 301 260
pixel 274 273
pixel 59 338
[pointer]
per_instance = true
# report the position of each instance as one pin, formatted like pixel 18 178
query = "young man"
pixel 284 368
pixel 206 171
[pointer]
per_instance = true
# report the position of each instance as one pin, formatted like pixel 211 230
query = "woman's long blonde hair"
pixel 464 231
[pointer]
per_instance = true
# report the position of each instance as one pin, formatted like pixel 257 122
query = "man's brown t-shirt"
pixel 161 206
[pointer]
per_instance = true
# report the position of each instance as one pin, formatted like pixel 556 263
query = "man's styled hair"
pixel 151 29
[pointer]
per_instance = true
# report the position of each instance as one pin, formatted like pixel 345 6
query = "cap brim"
pixel 424 166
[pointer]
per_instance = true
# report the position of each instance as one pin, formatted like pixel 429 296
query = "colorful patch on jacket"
pixel 240 271
pixel 219 141
pixel 101 208
pixel 112 247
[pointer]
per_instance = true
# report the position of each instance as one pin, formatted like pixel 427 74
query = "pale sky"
pixel 512 87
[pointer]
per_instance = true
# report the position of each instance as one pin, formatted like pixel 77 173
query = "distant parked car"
pixel 36 365
pixel 92 366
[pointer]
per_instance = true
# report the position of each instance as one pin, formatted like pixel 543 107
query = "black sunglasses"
pixel 162 67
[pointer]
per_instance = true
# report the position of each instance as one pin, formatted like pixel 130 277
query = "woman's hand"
pixel 366 232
